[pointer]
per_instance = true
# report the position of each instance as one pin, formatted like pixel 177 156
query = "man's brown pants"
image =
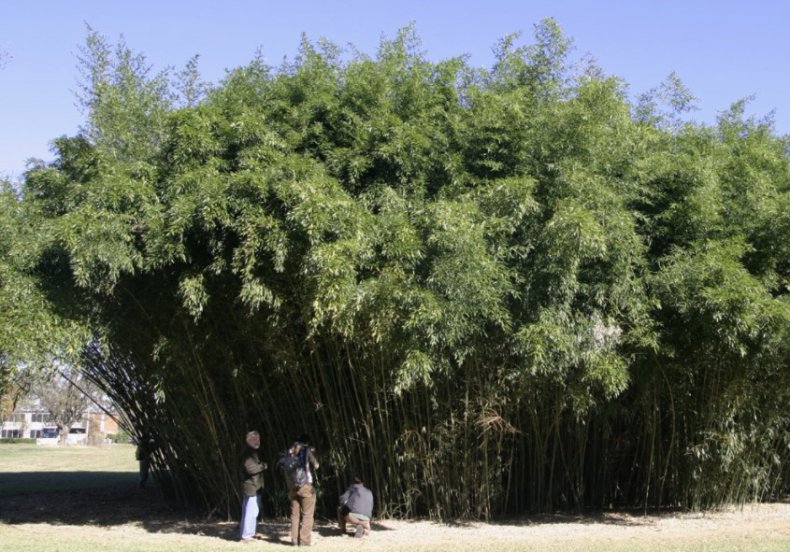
pixel 302 512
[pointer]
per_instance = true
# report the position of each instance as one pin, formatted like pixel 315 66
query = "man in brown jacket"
pixel 253 481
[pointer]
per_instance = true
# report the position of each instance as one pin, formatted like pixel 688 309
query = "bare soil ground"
pixel 129 513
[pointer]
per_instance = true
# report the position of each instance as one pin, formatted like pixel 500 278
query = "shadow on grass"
pixel 113 498
pixel 626 519
pixel 48 481
pixel 78 498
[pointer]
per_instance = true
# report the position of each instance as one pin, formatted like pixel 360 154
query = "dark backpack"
pixel 294 469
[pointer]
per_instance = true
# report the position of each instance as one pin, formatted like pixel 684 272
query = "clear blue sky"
pixel 723 50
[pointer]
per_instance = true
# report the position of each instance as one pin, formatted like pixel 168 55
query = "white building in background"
pixel 36 424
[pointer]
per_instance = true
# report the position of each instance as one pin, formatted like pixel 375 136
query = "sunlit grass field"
pixel 35 468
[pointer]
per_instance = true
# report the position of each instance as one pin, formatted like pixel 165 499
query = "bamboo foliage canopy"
pixel 485 291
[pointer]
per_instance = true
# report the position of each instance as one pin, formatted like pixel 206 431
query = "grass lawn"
pixel 26 458
pixel 35 468
pixel 85 499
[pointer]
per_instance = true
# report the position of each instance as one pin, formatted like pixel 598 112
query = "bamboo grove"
pixel 486 291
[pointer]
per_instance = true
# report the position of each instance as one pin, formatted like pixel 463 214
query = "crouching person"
pixel 356 507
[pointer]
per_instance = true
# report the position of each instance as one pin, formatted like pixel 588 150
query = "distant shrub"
pixel 18 441
pixel 120 437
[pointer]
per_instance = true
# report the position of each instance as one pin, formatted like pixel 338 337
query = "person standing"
pixel 297 464
pixel 355 506
pixel 252 468
pixel 142 453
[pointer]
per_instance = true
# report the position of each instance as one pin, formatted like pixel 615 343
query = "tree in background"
pixel 65 394
pixel 32 335
pixel 488 290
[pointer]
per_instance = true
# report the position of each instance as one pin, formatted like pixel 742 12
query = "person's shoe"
pixel 247 539
pixel 360 532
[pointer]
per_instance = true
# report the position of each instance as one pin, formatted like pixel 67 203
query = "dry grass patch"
pixel 763 528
